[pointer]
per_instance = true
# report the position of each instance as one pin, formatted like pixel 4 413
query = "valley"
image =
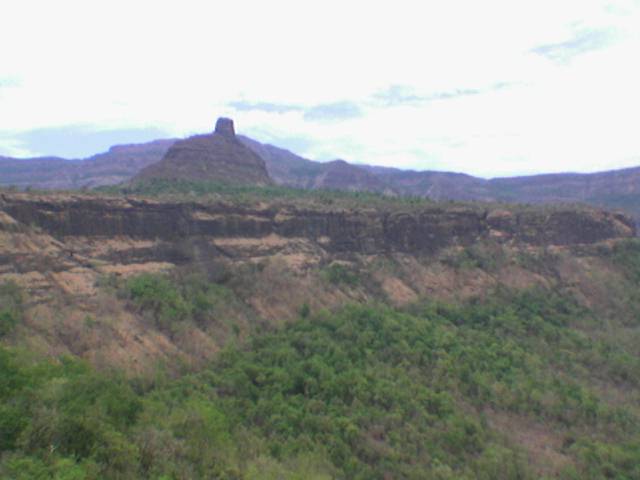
pixel 418 336
pixel 319 240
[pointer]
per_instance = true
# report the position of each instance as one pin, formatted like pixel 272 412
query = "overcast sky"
pixel 490 88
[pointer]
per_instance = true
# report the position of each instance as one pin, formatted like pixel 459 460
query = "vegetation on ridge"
pixel 205 191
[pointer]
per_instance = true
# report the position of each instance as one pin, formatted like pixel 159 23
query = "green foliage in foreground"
pixel 365 393
pixel 11 307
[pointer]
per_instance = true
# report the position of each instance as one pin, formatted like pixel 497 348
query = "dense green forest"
pixel 367 392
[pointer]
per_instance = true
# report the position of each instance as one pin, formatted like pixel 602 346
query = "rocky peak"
pixel 218 157
pixel 224 126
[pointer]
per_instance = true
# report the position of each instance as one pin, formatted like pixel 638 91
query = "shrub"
pixel 488 256
pixel 159 296
pixel 362 392
pixel 170 300
pixel 11 307
pixel 305 310
pixel 338 274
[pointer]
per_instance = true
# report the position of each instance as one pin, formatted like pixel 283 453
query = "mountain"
pixel 340 175
pixel 117 165
pixel 217 157
pixel 121 162
pixel 434 185
pixel 291 170
pixel 612 189
pixel 41 172
pixel 618 189
pixel 609 189
pixel 285 167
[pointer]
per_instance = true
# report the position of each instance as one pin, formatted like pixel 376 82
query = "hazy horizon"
pixel 493 89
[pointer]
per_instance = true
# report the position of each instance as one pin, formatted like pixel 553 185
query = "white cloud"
pixel 13 148
pixel 177 65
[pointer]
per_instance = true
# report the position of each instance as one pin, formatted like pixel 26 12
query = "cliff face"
pixel 340 230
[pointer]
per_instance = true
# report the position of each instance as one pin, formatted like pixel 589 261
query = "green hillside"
pixel 434 391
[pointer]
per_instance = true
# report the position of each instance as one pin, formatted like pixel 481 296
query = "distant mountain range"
pixel 117 165
pixel 616 189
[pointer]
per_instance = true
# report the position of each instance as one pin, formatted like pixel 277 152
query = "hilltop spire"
pixel 214 157
pixel 224 126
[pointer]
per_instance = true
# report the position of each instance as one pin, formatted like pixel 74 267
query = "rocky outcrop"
pixel 224 127
pixel 218 157
pixel 365 231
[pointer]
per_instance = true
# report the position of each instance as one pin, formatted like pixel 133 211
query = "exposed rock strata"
pixel 365 231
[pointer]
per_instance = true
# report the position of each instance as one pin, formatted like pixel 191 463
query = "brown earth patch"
pixel 543 445
pixel 77 281
pixel 398 292
pixel 136 268
pixel 519 278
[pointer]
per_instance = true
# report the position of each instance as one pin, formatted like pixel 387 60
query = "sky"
pixel 490 88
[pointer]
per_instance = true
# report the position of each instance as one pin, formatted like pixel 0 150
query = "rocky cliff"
pixel 411 230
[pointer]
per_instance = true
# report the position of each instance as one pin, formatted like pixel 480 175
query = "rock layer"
pixel 363 231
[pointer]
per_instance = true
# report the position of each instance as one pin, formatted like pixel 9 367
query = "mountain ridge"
pixel 615 189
